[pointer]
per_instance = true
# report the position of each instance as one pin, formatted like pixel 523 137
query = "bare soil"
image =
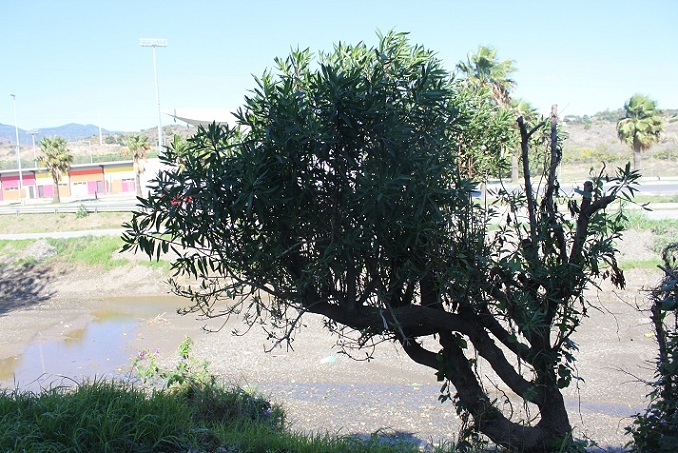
pixel 323 390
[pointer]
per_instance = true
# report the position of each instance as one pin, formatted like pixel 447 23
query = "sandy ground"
pixel 321 389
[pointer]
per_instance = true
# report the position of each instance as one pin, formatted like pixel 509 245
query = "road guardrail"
pixel 67 208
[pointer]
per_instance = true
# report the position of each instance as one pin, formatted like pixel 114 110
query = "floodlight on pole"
pixel 155 42
pixel 18 148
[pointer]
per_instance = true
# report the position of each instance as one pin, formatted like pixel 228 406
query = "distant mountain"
pixel 68 131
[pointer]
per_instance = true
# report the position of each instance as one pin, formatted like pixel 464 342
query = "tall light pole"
pixel 155 42
pixel 18 149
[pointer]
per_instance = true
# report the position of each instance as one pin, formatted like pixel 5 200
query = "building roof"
pixel 202 117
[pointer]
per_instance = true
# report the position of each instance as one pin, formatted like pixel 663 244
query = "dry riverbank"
pixel 323 390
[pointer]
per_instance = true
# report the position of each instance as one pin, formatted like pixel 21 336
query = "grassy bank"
pixel 664 231
pixel 182 408
pixel 114 417
pixel 103 250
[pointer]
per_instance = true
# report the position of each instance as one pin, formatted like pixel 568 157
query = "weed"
pixel 190 378
pixel 82 212
pixel 186 369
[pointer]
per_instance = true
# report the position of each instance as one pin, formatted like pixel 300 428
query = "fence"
pixel 66 208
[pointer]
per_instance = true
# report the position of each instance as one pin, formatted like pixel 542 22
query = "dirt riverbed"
pixel 323 390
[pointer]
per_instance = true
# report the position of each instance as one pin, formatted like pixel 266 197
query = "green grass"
pixel 639 220
pixel 108 416
pixel 161 265
pixel 641 264
pixel 664 231
pixel 90 250
pixel 87 250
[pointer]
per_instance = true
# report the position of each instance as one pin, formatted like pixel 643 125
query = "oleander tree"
pixel 484 135
pixel 57 158
pixel 484 70
pixel 342 197
pixel 641 126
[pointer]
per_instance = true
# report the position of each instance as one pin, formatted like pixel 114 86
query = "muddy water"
pixel 97 346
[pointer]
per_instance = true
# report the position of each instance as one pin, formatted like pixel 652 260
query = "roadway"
pixel 121 204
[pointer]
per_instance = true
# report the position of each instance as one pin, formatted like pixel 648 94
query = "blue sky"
pixel 73 61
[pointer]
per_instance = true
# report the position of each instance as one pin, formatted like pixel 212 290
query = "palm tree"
pixel 523 108
pixel 484 69
pixel 640 127
pixel 138 146
pixel 57 158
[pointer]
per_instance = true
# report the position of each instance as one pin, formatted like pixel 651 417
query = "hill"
pixel 591 140
pixel 70 132
pixel 83 141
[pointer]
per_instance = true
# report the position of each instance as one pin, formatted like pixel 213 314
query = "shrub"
pixel 657 429
pixel 81 212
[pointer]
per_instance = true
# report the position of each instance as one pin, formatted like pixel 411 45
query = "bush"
pixel 657 429
pixel 81 212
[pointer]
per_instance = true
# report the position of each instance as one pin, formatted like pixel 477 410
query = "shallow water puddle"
pixel 99 349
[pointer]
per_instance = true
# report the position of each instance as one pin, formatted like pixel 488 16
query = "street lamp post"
pixel 155 42
pixel 18 149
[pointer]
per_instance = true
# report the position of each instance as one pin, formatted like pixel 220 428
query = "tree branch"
pixel 552 187
pixel 586 210
pixel 529 191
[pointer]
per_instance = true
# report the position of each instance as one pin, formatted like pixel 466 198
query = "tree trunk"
pixel 138 170
pixel 56 197
pixel 514 167
pixel 637 159
pixel 137 182
pixel 547 435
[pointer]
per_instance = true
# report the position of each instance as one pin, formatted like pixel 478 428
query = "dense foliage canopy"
pixel 348 196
